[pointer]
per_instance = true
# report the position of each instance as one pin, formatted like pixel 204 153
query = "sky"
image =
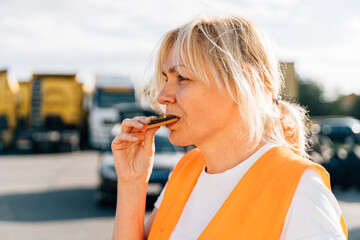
pixel 114 37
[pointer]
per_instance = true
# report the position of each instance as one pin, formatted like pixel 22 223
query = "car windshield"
pixel 109 99
pixel 339 122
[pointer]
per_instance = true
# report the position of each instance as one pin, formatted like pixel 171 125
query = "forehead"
pixel 172 61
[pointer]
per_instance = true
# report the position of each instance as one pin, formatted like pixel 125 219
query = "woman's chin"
pixel 179 140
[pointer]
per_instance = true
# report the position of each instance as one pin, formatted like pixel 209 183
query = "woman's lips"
pixel 172 123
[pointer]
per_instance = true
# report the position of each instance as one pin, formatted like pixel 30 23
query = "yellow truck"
pixel 55 110
pixel 23 137
pixel 24 104
pixel 8 104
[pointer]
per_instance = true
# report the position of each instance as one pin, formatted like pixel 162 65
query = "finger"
pixel 146 120
pixel 149 138
pixel 128 124
pixel 124 137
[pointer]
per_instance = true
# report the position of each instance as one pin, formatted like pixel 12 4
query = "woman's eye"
pixel 181 78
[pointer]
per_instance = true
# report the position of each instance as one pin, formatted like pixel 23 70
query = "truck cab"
pixel 108 92
pixel 57 114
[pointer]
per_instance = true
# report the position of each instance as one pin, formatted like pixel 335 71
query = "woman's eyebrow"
pixel 163 73
pixel 173 69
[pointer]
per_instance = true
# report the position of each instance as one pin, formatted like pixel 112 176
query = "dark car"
pixel 166 157
pixel 335 146
pixel 340 129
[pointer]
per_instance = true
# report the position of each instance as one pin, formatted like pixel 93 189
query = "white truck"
pixel 108 91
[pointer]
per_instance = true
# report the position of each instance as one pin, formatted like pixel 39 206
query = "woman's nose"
pixel 167 94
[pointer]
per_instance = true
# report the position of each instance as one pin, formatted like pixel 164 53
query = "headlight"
pixel 54 136
pixel 326 129
pixel 356 128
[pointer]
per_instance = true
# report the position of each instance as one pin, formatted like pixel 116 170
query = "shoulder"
pixel 312 187
pixel 315 208
pixel 289 159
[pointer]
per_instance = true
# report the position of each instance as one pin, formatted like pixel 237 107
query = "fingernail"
pixel 134 138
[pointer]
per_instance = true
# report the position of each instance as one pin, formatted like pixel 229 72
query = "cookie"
pixel 162 121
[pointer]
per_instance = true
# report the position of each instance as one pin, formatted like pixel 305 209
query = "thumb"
pixel 149 139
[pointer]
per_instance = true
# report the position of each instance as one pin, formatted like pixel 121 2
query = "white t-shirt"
pixel 313 214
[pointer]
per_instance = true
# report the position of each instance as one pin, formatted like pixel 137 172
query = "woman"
pixel 249 176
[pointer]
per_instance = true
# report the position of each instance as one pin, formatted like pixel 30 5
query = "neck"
pixel 227 153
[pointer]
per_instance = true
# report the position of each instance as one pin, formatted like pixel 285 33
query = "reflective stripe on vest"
pixel 255 209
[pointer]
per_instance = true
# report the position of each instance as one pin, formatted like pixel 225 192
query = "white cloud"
pixel 119 36
pixel 283 3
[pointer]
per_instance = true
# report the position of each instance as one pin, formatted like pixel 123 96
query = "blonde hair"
pixel 243 64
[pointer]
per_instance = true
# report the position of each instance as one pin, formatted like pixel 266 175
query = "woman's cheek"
pixel 185 95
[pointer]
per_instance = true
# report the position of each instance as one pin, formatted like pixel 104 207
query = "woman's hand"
pixel 133 150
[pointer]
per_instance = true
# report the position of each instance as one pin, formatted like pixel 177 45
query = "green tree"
pixel 311 96
pixel 356 109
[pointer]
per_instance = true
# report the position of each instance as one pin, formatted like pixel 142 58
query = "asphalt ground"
pixel 51 196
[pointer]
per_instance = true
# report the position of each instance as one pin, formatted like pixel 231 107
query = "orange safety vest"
pixel 255 209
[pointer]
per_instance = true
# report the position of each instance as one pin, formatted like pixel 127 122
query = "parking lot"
pixel 50 196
